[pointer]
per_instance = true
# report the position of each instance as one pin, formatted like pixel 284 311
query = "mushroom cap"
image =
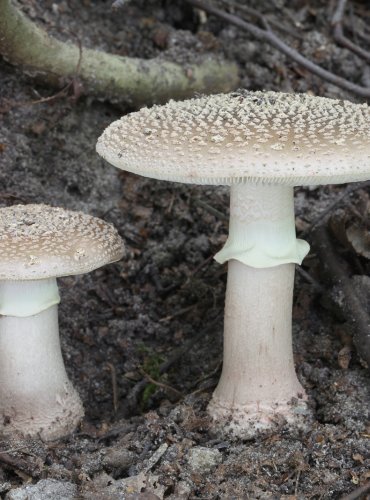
pixel 267 137
pixel 39 241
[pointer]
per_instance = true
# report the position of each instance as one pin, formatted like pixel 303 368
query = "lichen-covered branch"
pixel 119 79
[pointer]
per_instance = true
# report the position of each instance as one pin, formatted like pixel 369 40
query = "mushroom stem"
pixel 27 297
pixel 36 396
pixel 262 227
pixel 258 381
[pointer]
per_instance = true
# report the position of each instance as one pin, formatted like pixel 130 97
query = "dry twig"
pixel 267 35
pixel 178 313
pixel 113 372
pixel 210 209
pixel 264 21
pixel 307 277
pixel 205 377
pixel 161 385
pixel 338 34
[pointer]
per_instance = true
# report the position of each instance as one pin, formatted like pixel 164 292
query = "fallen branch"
pixel 334 267
pixel 119 79
pixel 267 35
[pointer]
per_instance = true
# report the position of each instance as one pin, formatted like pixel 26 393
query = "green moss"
pixel 151 366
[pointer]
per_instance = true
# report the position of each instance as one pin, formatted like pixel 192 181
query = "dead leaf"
pixel 358 458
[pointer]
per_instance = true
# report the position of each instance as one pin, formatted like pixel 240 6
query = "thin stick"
pixel 114 386
pixel 166 387
pixel 316 285
pixel 255 13
pixel 180 312
pixel 270 37
pixel 297 482
pixel 12 450
pixel 338 35
pixel 206 377
pixel 210 209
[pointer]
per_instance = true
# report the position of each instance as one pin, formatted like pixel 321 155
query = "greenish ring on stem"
pixel 262 227
pixel 27 297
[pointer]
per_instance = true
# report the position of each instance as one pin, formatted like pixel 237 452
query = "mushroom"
pixel 37 244
pixel 262 144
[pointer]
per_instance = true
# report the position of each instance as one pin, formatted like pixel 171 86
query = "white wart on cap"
pixel 37 244
pixel 268 137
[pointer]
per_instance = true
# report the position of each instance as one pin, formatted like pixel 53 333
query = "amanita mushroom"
pixel 37 244
pixel 261 144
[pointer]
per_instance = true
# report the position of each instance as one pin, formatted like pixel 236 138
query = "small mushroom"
pixel 262 144
pixel 37 244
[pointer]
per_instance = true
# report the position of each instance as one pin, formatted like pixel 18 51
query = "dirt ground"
pixel 159 310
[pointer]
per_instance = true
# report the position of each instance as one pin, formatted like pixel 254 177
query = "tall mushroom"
pixel 261 144
pixel 37 244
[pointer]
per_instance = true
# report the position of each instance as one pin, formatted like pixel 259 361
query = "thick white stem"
pixel 258 378
pixel 258 366
pixel 258 385
pixel 36 396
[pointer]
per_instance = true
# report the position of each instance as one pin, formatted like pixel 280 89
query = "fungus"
pixel 262 144
pixel 37 244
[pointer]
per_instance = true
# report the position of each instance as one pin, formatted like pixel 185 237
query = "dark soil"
pixel 159 310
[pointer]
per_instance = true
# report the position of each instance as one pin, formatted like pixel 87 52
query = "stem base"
pixel 36 396
pixel 252 419
pixel 258 382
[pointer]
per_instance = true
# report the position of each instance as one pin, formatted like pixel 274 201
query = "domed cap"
pixel 268 137
pixel 38 241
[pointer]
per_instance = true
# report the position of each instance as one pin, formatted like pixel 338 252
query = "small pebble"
pixel 46 489
pixel 202 460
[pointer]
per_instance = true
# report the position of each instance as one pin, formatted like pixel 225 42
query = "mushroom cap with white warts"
pixel 268 137
pixel 39 241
